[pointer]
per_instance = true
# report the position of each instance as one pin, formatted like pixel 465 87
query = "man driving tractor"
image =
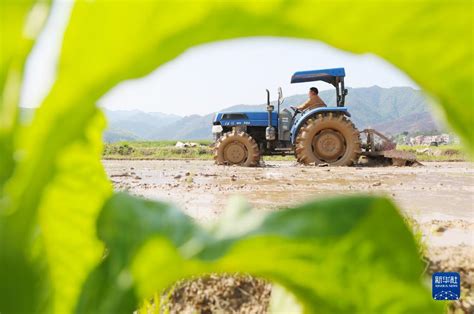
pixel 313 102
pixel 320 135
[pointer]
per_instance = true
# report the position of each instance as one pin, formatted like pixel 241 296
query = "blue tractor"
pixel 323 135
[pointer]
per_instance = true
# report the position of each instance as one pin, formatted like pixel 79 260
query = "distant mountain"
pixel 193 127
pixel 413 123
pixel 390 110
pixel 376 106
pixel 135 124
pixel 117 135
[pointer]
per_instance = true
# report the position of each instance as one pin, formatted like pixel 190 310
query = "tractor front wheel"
pixel 236 148
pixel 328 138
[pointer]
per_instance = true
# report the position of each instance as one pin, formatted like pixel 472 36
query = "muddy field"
pixel 438 196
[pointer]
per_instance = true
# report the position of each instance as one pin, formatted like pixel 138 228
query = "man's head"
pixel 313 91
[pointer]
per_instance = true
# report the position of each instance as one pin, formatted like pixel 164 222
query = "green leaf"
pixel 282 301
pixel 21 22
pixel 334 255
pixel 57 161
pixel 54 191
pixel 54 225
pixel 67 215
pixel 20 271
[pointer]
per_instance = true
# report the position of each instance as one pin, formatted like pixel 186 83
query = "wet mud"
pixel 437 197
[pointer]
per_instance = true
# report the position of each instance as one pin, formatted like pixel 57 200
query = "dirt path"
pixel 438 196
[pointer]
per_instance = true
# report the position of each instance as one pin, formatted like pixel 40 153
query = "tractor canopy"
pixel 331 76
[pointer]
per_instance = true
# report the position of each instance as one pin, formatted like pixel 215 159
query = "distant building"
pixel 426 140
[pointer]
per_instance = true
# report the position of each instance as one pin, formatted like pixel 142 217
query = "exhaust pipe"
pixel 270 133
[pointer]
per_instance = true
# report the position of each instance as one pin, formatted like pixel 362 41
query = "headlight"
pixel 217 128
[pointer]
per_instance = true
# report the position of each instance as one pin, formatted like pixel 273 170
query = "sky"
pixel 213 76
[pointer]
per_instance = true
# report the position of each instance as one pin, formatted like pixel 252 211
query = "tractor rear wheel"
pixel 237 148
pixel 328 138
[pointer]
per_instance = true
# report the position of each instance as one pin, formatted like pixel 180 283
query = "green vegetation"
pixel 156 150
pixel 325 233
pixel 437 153
pixel 70 244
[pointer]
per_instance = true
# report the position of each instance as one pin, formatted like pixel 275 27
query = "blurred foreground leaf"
pixel 22 286
pixel 336 255
pixel 20 24
pixel 108 42
pixel 56 183
pixel 53 185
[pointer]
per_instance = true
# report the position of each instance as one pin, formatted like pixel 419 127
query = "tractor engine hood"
pixel 255 118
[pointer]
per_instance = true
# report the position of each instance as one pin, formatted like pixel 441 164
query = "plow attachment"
pixel 380 150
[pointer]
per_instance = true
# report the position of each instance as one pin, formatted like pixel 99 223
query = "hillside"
pixel 390 110
pixel 135 124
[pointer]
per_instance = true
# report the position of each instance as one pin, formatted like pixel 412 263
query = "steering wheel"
pixel 296 110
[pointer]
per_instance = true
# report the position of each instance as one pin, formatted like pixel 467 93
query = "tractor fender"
pixel 311 113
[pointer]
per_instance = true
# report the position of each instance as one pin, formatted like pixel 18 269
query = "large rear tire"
pixel 237 148
pixel 328 138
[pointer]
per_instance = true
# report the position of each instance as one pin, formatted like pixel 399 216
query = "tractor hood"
pixel 251 118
